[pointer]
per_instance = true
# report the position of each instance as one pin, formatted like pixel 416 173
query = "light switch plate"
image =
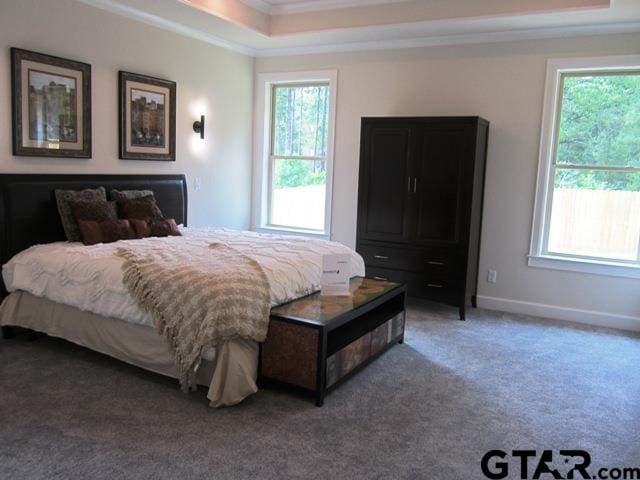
pixel 492 276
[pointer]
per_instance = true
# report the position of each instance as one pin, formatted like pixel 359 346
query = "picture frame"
pixel 51 105
pixel 147 117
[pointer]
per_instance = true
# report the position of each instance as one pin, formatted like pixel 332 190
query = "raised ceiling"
pixel 276 7
pixel 284 27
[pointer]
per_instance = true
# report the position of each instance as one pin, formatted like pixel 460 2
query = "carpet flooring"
pixel 428 409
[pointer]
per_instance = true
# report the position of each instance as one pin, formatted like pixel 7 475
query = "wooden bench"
pixel 317 342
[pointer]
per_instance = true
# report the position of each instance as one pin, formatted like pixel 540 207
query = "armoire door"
pixel 439 199
pixel 385 182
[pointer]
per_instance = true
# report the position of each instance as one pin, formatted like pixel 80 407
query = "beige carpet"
pixel 430 408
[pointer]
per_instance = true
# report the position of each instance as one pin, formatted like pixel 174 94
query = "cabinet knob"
pixel 381 278
pixel 433 262
pixel 434 285
pixel 381 257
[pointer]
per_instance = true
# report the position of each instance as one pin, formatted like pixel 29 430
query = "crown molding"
pixel 176 27
pixel 316 6
pixel 260 5
pixel 312 5
pixel 462 39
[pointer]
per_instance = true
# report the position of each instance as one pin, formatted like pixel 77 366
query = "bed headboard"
pixel 29 213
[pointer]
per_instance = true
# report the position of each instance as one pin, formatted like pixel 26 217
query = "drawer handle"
pixel 381 257
pixel 434 285
pixel 380 278
pixel 433 262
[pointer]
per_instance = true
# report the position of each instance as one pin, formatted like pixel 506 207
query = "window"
pixel 295 152
pixel 587 214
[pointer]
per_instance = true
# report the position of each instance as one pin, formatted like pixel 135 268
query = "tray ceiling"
pixel 284 27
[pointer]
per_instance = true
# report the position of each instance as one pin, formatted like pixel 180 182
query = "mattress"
pixel 90 278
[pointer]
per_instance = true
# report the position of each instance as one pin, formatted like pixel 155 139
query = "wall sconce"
pixel 198 126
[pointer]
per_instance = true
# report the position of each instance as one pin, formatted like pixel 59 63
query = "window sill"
pixel 292 231
pixel 611 269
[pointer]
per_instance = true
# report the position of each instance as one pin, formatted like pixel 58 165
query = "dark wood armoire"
pixel 420 204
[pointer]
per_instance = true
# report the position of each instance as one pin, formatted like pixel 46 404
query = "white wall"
pixel 218 80
pixel 504 83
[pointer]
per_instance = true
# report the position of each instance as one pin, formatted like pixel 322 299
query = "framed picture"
pixel 51 105
pixel 147 118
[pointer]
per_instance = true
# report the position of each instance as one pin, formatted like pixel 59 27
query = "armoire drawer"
pixel 439 288
pixel 430 260
pixel 385 257
pixel 385 274
pixel 434 287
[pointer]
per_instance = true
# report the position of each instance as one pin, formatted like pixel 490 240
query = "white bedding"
pixel 90 277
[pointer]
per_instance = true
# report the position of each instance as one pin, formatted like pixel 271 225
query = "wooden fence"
pixel 602 223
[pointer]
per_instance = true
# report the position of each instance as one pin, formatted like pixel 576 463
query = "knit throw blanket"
pixel 199 297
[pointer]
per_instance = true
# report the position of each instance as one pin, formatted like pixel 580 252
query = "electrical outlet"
pixel 492 276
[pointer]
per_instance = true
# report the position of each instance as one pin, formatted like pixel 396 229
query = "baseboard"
pixel 590 317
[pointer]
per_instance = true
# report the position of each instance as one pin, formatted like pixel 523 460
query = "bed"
pixel 76 292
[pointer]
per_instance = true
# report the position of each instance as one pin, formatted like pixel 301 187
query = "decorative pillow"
pixel 141 227
pixel 143 208
pixel 106 231
pixel 165 228
pixel 155 228
pixel 63 197
pixel 97 211
pixel 128 194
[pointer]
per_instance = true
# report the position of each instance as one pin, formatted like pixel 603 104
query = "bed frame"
pixel 29 213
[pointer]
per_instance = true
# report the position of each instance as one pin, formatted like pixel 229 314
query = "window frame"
pixel 261 201
pixel 538 254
